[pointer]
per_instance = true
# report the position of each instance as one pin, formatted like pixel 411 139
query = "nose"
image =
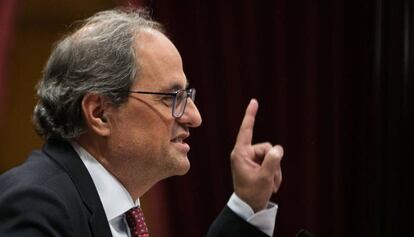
pixel 191 116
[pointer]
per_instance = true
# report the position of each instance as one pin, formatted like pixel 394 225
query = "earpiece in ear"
pixel 103 118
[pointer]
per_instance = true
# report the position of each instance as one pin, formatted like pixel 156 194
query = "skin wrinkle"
pixel 139 148
pixel 153 109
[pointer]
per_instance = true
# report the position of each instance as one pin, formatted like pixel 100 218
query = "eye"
pixel 167 100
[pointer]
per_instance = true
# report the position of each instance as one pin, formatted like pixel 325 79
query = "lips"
pixel 179 143
pixel 180 138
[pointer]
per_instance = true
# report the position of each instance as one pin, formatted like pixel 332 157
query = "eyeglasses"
pixel 179 99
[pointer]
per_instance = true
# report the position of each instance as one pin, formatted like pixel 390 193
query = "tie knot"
pixel 136 222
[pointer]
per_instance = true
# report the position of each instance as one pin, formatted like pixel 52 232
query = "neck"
pixel 137 183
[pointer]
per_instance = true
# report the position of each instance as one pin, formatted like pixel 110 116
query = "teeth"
pixel 178 139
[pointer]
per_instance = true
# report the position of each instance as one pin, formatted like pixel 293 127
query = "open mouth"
pixel 178 140
pixel 180 144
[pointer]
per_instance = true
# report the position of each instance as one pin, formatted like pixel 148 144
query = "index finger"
pixel 245 135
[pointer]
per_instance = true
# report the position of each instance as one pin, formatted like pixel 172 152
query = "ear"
pixel 95 108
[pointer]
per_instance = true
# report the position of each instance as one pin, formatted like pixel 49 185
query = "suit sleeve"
pixel 33 211
pixel 229 224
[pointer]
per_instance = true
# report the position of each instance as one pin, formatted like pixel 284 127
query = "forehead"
pixel 159 62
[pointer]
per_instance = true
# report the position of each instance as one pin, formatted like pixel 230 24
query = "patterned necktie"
pixel 136 222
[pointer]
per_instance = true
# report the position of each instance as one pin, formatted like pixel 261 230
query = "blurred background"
pixel 334 80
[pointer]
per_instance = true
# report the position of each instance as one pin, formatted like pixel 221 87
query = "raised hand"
pixel 255 168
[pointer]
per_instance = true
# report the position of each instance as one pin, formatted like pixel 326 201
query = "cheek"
pixel 145 125
pixel 157 126
pixel 148 133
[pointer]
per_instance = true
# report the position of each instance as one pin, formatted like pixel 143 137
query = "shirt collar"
pixel 115 199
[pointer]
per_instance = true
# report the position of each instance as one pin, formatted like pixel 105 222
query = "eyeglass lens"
pixel 180 103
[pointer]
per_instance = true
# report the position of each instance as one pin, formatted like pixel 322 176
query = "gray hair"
pixel 98 57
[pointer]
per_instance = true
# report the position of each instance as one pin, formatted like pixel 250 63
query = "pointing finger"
pixel 246 129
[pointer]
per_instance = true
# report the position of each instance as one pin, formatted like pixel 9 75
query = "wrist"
pixel 253 202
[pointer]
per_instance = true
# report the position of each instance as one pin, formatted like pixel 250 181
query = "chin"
pixel 176 163
pixel 182 167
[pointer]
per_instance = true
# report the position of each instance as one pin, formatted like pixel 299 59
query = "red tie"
pixel 136 222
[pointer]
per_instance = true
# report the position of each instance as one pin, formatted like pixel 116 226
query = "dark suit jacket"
pixel 52 194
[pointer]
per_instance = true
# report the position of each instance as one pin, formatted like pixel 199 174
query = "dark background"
pixel 334 81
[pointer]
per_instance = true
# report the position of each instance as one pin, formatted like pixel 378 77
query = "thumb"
pixel 271 162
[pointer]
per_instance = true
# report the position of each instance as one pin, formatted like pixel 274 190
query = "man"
pixel 115 109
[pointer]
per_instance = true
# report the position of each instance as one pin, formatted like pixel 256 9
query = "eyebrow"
pixel 176 86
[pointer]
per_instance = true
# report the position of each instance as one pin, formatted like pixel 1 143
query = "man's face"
pixel 144 133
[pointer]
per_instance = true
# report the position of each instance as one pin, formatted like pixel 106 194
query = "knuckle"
pixel 268 145
pixel 232 157
pixel 234 154
pixel 275 155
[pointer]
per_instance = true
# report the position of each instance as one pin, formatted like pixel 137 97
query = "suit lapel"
pixel 63 153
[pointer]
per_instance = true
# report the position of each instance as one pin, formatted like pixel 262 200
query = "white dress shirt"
pixel 116 200
pixel 264 220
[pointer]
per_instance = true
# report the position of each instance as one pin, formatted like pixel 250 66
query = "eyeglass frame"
pixel 191 92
